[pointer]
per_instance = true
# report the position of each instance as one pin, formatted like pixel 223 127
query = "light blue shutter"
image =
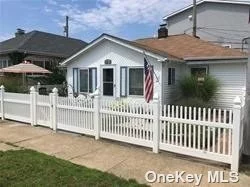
pixel 123 82
pixel 93 78
pixel 75 80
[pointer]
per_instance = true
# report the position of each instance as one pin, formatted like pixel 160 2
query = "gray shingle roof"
pixel 42 43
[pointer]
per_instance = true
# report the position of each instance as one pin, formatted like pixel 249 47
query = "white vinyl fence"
pixel 214 134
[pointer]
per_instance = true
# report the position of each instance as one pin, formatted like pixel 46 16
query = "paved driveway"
pixel 123 160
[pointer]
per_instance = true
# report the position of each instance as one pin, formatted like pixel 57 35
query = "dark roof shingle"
pixel 37 42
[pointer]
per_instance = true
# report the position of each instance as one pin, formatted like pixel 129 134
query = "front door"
pixel 108 81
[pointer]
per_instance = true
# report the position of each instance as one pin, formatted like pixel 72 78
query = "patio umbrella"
pixel 25 67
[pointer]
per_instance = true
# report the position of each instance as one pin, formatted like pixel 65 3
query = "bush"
pixel 56 77
pixel 13 83
pixel 197 93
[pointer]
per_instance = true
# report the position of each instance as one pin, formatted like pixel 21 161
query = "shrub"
pixel 197 93
pixel 13 83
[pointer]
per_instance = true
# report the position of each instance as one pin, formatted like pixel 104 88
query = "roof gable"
pixel 129 44
pixel 240 2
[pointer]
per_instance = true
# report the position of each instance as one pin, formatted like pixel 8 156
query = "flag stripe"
pixel 148 81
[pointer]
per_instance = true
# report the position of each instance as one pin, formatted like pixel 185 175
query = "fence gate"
pixel 43 110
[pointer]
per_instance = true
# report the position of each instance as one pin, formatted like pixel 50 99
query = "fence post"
pixel 51 110
pixel 54 108
pixel 97 117
pixel 236 134
pixel 156 123
pixel 32 105
pixel 38 87
pixel 2 101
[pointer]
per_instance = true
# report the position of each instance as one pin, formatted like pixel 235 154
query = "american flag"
pixel 149 83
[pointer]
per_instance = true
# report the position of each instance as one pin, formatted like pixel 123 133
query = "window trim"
pixel 135 67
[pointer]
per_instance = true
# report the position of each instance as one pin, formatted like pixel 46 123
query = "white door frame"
pixel 110 66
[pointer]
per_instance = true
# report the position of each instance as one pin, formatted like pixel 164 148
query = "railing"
pixel 206 133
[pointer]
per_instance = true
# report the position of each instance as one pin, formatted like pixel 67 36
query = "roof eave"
pixel 113 39
pixel 202 1
pixel 215 58
pixel 33 53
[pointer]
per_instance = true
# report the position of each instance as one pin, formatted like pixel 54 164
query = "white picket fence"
pixel 213 134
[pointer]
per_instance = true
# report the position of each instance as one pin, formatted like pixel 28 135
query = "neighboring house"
pixel 115 66
pixel 224 22
pixel 41 48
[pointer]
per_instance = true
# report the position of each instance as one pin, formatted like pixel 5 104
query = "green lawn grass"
pixel 30 168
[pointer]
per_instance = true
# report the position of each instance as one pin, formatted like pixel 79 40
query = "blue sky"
pixel 129 19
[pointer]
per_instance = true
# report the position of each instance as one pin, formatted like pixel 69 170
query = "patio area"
pixel 127 161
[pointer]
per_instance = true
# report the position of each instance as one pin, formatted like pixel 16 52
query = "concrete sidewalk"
pixel 123 160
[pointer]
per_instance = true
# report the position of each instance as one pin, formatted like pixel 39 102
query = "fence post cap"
pixel 55 90
pixel 39 83
pixel 237 100
pixel 2 87
pixel 32 89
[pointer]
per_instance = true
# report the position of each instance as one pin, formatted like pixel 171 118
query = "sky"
pixel 129 19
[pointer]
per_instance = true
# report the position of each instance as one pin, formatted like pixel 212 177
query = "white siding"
pixel 232 79
pixel 171 92
pixel 228 18
pixel 120 56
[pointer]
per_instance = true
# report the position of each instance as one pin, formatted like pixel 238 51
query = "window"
pixel 199 72
pixel 87 79
pixel 3 63
pixel 227 45
pixel 84 80
pixel 136 81
pixel 171 76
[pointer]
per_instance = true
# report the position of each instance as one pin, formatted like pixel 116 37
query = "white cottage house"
pixel 115 66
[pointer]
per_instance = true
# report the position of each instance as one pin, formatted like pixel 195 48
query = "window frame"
pixel 79 79
pixel 171 80
pixel 199 67
pixel 128 79
pixel 2 61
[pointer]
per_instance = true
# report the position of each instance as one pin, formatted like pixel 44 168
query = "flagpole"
pixel 151 65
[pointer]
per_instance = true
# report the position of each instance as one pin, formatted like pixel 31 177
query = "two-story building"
pixel 224 22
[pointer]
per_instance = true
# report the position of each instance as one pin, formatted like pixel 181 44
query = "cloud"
pixel 47 9
pixel 111 15
pixel 52 2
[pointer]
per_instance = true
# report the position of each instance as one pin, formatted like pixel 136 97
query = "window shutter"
pixel 75 80
pixel 93 79
pixel 169 76
pixel 123 82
